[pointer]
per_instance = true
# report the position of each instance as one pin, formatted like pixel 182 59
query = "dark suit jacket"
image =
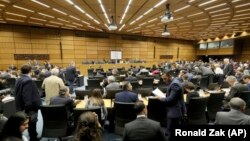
pixel 174 99
pixel 235 91
pixel 228 70
pixel 143 129
pixel 126 96
pixel 27 95
pixel 233 117
pixel 70 74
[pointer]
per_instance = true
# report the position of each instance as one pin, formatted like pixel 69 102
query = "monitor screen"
pixel 226 43
pixel 116 55
pixel 203 46
pixel 213 45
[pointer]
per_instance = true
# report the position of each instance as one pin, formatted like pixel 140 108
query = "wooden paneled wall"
pixel 15 39
pixel 245 51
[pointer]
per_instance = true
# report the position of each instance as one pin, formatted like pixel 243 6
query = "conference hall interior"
pixel 97 49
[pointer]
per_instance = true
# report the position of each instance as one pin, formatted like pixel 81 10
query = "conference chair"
pixel 245 95
pixel 196 113
pixel 9 108
pixel 123 113
pixel 204 82
pixel 157 111
pixel 78 111
pixel 214 105
pixel 93 83
pixel 145 91
pixel 80 94
pixel 135 85
pixel 213 86
pixel 55 121
pixel 11 82
pixel 147 82
pixel 111 94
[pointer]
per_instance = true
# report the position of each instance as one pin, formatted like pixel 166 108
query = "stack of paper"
pixel 158 92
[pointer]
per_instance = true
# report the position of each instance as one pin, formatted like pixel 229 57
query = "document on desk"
pixel 158 92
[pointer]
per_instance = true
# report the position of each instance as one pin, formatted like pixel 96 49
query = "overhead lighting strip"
pixel 195 14
pixel 126 10
pixel 14 14
pixel 122 27
pixel 82 11
pixel 242 5
pixel 38 19
pixel 104 11
pixel 148 11
pixel 55 22
pixel 46 15
pixel 219 10
pixel 63 20
pixel 40 3
pixel 73 17
pixel 215 6
pixel 205 3
pixel 59 11
pixel 22 8
pixel 76 24
pixel 182 8
pixel 35 23
pixel 9 19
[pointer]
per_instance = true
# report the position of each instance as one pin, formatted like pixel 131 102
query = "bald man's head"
pixel 237 104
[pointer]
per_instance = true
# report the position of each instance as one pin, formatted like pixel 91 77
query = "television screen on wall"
pixel 212 45
pixel 203 46
pixel 116 55
pixel 226 43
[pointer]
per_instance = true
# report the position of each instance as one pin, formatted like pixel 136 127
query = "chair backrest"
pixel 214 104
pixel 111 93
pixel 196 113
pixel 81 93
pixel 124 113
pixel 90 72
pixel 93 83
pixel 204 82
pixel 135 85
pixel 245 95
pixel 145 91
pixel 55 120
pixel 157 111
pixel 9 108
pixel 11 82
pixel 224 84
pixel 147 82
pixel 78 111
pixel 194 81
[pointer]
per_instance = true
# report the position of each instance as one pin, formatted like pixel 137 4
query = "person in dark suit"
pixel 126 95
pixel 28 99
pixel 70 76
pixel 175 103
pixel 142 128
pixel 235 90
pixel 235 116
pixel 228 68
pixel 189 87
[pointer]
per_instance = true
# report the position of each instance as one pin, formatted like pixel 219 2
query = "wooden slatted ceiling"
pixel 193 19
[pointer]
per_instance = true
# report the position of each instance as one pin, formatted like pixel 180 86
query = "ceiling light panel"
pixel 104 11
pixel 212 7
pixel 206 3
pixel 46 15
pixel 14 14
pixel 59 11
pixel 22 8
pixel 148 11
pixel 40 3
pixel 126 10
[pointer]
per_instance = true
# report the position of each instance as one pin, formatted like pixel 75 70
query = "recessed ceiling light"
pixel 207 2
pixel 182 8
pixel 9 13
pixel 40 3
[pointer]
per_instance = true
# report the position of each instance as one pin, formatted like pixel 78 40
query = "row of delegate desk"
pixel 84 67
